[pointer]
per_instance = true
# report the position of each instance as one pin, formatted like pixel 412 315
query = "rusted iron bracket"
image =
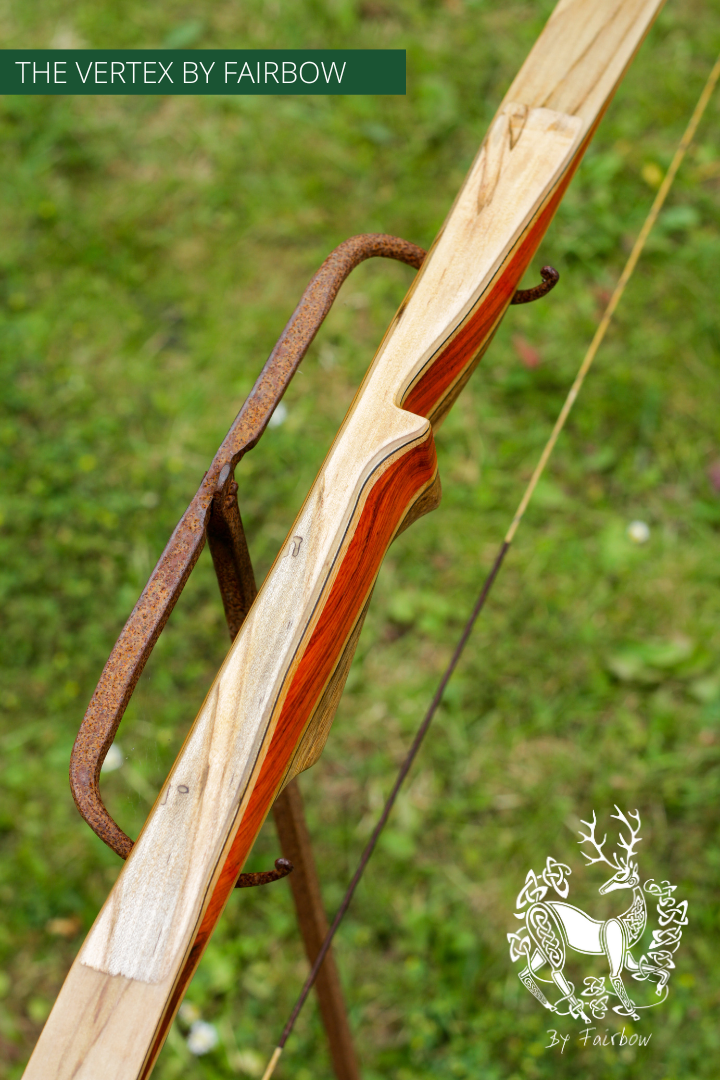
pixel 214 515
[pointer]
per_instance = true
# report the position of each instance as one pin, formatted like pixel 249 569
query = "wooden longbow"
pixel 269 710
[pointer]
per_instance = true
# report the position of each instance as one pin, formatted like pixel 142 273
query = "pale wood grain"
pixel 116 997
pixel 582 54
pixel 101 1027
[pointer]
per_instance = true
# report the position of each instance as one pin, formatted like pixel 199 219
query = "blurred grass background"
pixel 152 249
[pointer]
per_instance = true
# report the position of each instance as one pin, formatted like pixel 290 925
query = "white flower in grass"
pixel 638 531
pixel 113 759
pixel 188 1013
pixel 203 1038
pixel 279 416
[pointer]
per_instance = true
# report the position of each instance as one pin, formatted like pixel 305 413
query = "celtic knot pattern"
pixel 596 990
pixel 556 874
pixel 635 918
pixel 540 922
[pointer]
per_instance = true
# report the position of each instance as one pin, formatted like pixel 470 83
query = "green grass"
pixel 151 252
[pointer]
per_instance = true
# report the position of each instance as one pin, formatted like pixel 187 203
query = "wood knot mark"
pixel 517 118
pixel 293 547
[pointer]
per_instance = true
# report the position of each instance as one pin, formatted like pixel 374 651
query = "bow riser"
pixel 268 711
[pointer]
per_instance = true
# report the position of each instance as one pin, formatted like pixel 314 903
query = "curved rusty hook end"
pixel 550 278
pixel 283 867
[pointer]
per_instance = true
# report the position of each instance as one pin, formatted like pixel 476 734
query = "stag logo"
pixel 554 929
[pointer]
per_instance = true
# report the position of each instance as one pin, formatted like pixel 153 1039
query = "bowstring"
pixel 572 395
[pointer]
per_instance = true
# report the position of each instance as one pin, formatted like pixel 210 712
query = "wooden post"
pixel 295 843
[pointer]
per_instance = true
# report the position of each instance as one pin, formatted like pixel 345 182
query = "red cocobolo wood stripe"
pixel 387 502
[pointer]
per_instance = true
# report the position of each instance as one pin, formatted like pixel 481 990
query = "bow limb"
pixel 269 709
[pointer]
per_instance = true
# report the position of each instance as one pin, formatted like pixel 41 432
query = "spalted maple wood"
pixel 268 711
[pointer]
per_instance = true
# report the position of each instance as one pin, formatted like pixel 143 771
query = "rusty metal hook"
pixel 550 278
pixel 213 515
pixel 283 867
